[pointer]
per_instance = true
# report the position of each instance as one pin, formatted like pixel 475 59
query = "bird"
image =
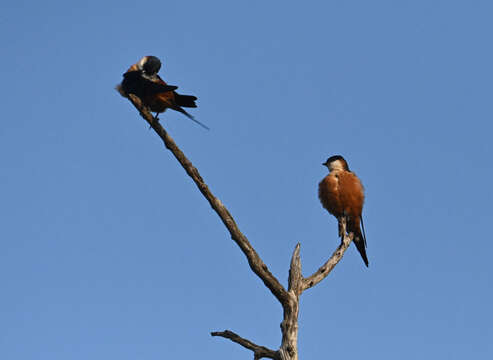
pixel 142 80
pixel 342 195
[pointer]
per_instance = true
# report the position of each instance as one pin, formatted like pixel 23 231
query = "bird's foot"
pixel 154 119
pixel 340 229
pixel 342 226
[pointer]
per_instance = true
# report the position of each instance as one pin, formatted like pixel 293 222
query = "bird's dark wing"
pixel 185 100
pixel 360 246
pixel 363 229
pixel 134 83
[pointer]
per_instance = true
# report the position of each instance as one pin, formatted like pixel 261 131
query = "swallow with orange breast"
pixel 341 194
pixel 142 80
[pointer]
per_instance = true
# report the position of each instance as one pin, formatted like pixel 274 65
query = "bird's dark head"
pixel 150 65
pixel 336 162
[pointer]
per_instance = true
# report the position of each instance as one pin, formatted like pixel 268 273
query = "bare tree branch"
pixel 289 299
pixel 295 280
pixel 259 351
pixel 326 268
pixel 254 260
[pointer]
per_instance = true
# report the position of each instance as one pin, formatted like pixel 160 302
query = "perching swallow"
pixel 341 194
pixel 142 80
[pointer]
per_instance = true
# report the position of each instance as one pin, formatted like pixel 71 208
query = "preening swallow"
pixel 142 80
pixel 341 194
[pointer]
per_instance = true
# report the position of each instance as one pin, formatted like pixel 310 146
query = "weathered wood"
pixel 289 325
pixel 259 352
pixel 326 268
pixel 295 279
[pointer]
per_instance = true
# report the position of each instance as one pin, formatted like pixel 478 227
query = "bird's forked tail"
pixel 359 238
pixel 179 109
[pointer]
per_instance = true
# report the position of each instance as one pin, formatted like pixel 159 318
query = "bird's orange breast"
pixel 341 193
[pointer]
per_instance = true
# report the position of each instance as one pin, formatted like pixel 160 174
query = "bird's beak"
pixel 324 164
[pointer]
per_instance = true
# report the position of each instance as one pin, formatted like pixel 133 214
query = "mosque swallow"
pixel 342 195
pixel 142 80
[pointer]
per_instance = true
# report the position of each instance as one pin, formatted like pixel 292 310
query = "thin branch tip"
pixel 258 351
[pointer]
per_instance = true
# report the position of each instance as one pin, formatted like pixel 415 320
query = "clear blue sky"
pixel 107 249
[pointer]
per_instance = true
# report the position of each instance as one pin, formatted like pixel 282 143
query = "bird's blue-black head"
pixel 151 65
pixel 336 161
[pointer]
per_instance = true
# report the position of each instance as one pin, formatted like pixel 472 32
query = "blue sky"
pixel 107 249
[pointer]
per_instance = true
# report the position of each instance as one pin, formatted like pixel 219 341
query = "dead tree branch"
pixel 258 351
pixel 326 268
pixel 289 299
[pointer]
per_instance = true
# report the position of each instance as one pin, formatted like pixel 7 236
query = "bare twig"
pixel 295 279
pixel 258 351
pixel 326 268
